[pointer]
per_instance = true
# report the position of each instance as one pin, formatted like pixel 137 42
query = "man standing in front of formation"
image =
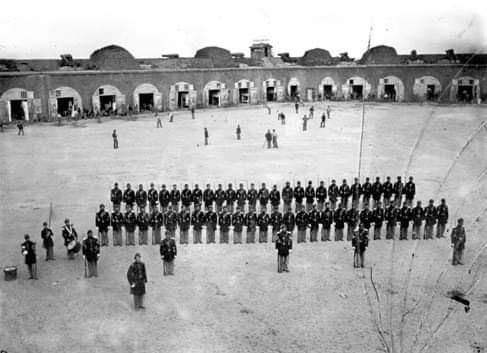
pixel 458 238
pixel 137 278
pixel 28 249
pixel 102 222
pixel 91 252
pixel 360 242
pixel 168 252
pixel 284 245
pixel 47 241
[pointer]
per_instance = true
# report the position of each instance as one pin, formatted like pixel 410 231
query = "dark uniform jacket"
pixel 326 218
pixel 241 195
pixel 398 188
pixel 143 221
pixel 156 220
pixel 339 217
pixel 211 220
pixel 175 196
pixel 168 249
pixel 230 195
pixel 302 220
pixel 289 220
pixel 263 221
pixel 387 189
pixel 430 215
pixel 442 214
pixel 198 219
pixel 366 217
pixel 91 249
pixel 197 196
pixel 287 194
pixel 309 193
pixel 391 214
pixel 219 196
pixel 314 219
pixel 321 193
pixel 377 190
pixel 360 240
pixel 28 248
pixel 186 197
pixel 417 215
pixel 344 191
pixel 184 220
pixel 46 235
pixel 116 196
pixel 130 221
pixel 410 190
pixel 141 198
pixel 458 237
pixel 275 197
pixel 69 234
pixel 137 276
pixel 263 196
pixel 356 191
pixel 378 215
pixel 129 196
pixel 117 221
pixel 252 196
pixel 284 243
pixel 171 220
pixel 333 192
pixel 352 217
pixel 251 221
pixel 405 216
pixel 152 196
pixel 238 219
pixel 299 194
pixel 224 221
pixel 102 221
pixel 208 196
pixel 367 189
pixel 276 220
pixel 164 197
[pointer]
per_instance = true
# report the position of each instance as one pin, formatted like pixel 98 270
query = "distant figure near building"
pixel 296 107
pixel 284 245
pixel 206 136
pixel 171 117
pixel 268 138
pixel 323 120
pixel 305 122
pixel 328 112
pixel 274 139
pixel 159 122
pixel 239 131
pixel 47 241
pixel 20 127
pixel 311 112
pixel 458 239
pixel 115 139
pixel 192 112
pixel 269 111
pixel 28 249
pixel 137 278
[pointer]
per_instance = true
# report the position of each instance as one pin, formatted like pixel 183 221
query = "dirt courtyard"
pixel 229 298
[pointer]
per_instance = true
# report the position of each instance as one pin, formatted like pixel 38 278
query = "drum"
pixel 74 246
pixel 10 273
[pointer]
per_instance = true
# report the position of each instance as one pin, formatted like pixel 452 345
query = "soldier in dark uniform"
pixel 410 191
pixel 197 195
pixel 284 245
pixel 263 196
pixel 241 197
pixel 238 223
pixel 171 221
pixel 141 198
pixel 366 217
pixel 211 222
pixel 339 217
pixel 333 193
pixel 356 192
pixel 378 216
pixel 175 198
pixel 116 196
pixel 230 198
pixel 430 215
pixel 47 241
pixel 417 216
pixel 302 225
pixel 275 197
pixel 442 215
pixel 197 221
pixel 102 222
pixel 314 223
pixel 289 220
pixel 91 253
pixel 366 191
pixel 28 249
pixel 458 239
pixel 398 191
pixel 251 223
pixel 143 224
pixel 137 278
pixel 130 222
pixel 263 223
pixel 208 197
pixel 352 219
pixel 69 235
pixel 152 197
pixel 377 191
pixel 117 222
pixel 156 222
pixel 184 221
pixel 287 196
pixel 186 197
pixel 219 198
pixel 224 221
pixel 164 198
pixel 391 214
pixel 321 195
pixel 129 197
pixel 252 196
pixel 344 192
pixel 404 219
pixel 326 220
pixel 168 251
pixel 360 242
pixel 387 190
pixel 298 197
pixel 275 222
pixel 309 194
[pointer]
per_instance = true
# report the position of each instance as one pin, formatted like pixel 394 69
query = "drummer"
pixel 29 251
pixel 70 239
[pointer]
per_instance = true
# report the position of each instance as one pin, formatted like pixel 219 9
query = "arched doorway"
pixel 356 88
pixel 465 90
pixel 182 95
pixel 427 88
pixel 293 89
pixel 244 92
pixel 147 98
pixel 63 101
pixel 390 88
pixel 215 94
pixel 273 90
pixel 18 104
pixel 328 89
pixel 108 100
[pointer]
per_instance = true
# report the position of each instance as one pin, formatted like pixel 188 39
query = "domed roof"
pixel 219 56
pixel 315 57
pixel 381 54
pixel 113 57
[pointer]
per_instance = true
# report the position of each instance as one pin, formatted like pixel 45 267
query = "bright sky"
pixel 149 28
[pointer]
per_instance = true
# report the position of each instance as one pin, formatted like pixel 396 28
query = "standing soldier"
pixel 156 221
pixel 387 190
pixel 391 221
pixel 309 193
pixel 398 191
pixel 171 221
pixel 69 235
pixel 102 222
pixel 333 193
pixel 377 190
pixel 197 221
pixel 129 197
pixel 404 219
pixel 197 195
pixel 296 107
pixel 143 224
pixel 339 217
pixel 263 197
pixel 458 239
pixel 141 197
pixel 186 197
pixel 175 198
pixel 366 217
pixel 208 197
pixel 276 222
pixel 252 196
pixel 117 222
pixel 410 191
pixel 251 223
pixel 115 139
pixel 263 223
pixel 442 215
pixel 284 245
pixel 47 241
pixel 305 122
pixel 129 221
pixel 417 216
pixel 241 197
pixel 239 131
pixel 328 112
pixel 237 223
pixel 344 192
pixel 268 138
pixel 206 136
pixel 289 220
pixel 356 191
pixel 137 278
pixel 302 225
pixel 224 221
pixel 323 120
pixel 287 196
pixel 314 223
pixel 211 222
pixel 152 197
pixel 366 191
pixel 352 219
pixel 184 221
pixel 321 195
pixel 28 249
pixel 360 242
pixel 91 253
pixel 168 253
pixel 326 220
pixel 219 198
pixel 298 197
pixel 275 197
pixel 116 196
pixel 164 198
pixel 430 215
pixel 230 197
pixel 378 216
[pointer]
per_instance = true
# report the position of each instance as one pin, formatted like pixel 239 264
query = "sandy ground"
pixel 229 298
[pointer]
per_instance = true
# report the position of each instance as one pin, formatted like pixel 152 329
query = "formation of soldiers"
pixel 321 210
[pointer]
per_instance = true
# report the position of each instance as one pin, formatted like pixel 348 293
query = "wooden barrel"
pixel 10 273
